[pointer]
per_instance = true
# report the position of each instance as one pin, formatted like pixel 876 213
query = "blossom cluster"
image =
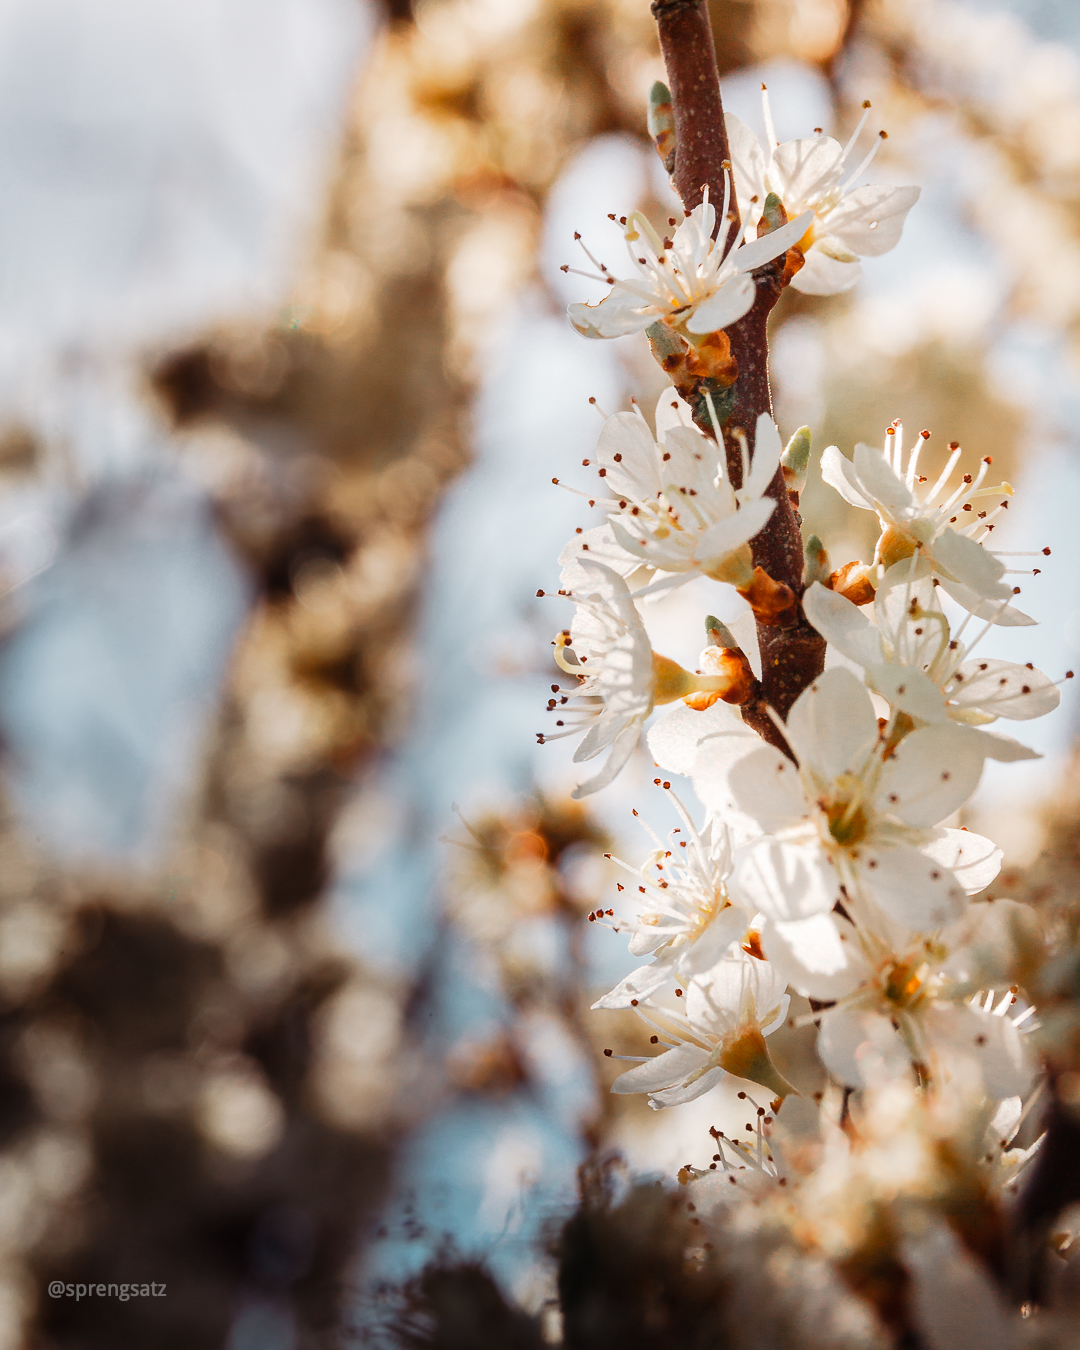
pixel 827 862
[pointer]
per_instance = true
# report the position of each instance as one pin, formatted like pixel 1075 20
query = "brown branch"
pixel 790 657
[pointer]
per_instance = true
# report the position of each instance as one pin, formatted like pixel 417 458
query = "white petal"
pixel 843 625
pixel 970 564
pixel 861 1048
pixel 715 760
pixel 733 299
pixel 748 165
pixel 819 956
pixel 972 859
pixel 663 1071
pixel 741 985
pixel 1007 616
pixel 622 748
pixel 725 536
pixel 679 1096
pixel 671 412
pixel 712 946
pixel 1002 748
pixel 598 737
pixel 764 784
pixel 784 881
pixel 675 738
pixel 766 459
pixel 638 984
pixel 839 474
pixel 771 245
pixel 627 451
pixel 832 725
pixel 933 773
pixel 909 690
pixel 822 275
pixel 878 479
pixel 804 168
pixel 992 1042
pixel 910 887
pixel 1004 688
pixel 596 545
pixel 616 315
pixel 869 220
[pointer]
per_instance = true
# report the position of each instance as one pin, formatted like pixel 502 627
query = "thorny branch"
pixel 791 657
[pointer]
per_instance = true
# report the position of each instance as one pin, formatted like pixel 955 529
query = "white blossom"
pixel 672 507
pixel 728 1012
pixel 913 658
pixel 896 1008
pixel 854 821
pixel 812 174
pixel 686 920
pixel 615 667
pixel 942 524
pixel 620 677
pixel 689 279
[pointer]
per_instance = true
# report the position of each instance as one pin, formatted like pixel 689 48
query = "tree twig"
pixel 791 657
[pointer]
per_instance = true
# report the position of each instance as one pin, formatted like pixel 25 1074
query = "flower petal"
pixel 822 275
pixel 970 564
pixel 619 313
pixel 832 726
pixel 679 1096
pixel 663 1070
pixel 994 611
pixel 675 738
pixel 727 304
pixel 1004 688
pixel 747 163
pixel 991 1041
pixel 784 881
pixel 879 480
pixel 843 625
pixel 909 690
pixel 839 473
pixel 911 887
pixel 637 985
pixel 725 536
pixel 627 453
pixel 869 220
pixel 972 859
pixel 768 246
pixel 622 748
pixel 805 168
pixel 766 459
pixel 764 784
pixel 818 956
pixel 933 773
pixel 861 1048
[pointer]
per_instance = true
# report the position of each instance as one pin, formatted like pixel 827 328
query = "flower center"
pixel 847 820
pixel 903 984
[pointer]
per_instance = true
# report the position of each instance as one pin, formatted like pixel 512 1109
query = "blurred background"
pixel 294 973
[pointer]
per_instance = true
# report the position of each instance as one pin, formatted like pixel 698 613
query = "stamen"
pixel 856 133
pixel 881 136
pixel 770 130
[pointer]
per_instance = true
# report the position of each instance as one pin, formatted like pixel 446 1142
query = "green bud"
pixel 795 460
pixel 719 634
pixel 661 121
pixel 773 215
pixel 816 564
